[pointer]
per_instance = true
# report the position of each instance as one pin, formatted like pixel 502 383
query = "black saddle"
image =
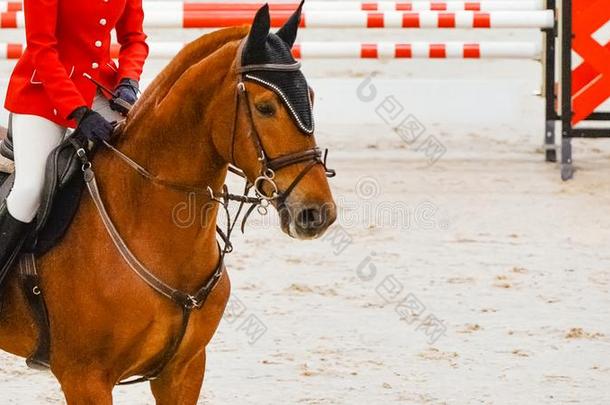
pixel 61 196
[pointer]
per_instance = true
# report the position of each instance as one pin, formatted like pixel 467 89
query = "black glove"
pixel 126 92
pixel 91 124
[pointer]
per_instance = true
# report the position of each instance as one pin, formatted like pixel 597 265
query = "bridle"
pixel 270 166
pixel 261 200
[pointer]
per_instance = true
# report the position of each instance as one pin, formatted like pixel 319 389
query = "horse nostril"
pixel 309 218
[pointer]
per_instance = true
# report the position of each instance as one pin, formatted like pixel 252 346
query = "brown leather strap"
pixel 284 195
pixel 168 354
pixel 244 101
pixel 30 281
pixel 155 179
pixel 179 297
pixel 185 300
pixel 313 154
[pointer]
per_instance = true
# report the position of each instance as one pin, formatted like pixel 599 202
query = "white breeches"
pixel 34 138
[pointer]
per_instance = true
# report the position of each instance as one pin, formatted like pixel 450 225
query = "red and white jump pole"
pixel 417 50
pixel 418 5
pixel 359 50
pixel 361 19
pixel 347 19
pixel 10 51
pixel 451 5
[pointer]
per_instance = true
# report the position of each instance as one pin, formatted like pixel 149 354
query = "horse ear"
pixel 288 33
pixel 257 38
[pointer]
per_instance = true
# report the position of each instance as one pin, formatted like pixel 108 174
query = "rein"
pixel 260 201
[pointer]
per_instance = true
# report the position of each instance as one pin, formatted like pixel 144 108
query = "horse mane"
pixel 192 53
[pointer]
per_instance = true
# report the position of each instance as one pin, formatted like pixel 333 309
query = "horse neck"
pixel 172 232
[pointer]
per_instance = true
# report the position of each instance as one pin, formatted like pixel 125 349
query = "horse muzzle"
pixel 307 221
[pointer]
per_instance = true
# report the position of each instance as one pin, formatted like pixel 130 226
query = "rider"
pixel 49 92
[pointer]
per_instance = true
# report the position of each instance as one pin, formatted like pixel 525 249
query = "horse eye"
pixel 266 109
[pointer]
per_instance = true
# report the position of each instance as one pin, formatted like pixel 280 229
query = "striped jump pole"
pixel 347 19
pixel 359 50
pixel 361 19
pixel 10 51
pixel 451 5
pixel 417 50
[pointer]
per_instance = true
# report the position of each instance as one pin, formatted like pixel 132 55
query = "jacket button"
pixel 98 44
pixel 103 21
pixel 95 65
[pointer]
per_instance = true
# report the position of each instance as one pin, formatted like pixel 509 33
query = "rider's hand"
pixel 92 125
pixel 127 90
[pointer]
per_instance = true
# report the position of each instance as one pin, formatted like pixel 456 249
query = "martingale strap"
pixel 188 302
pixel 168 355
pixel 179 297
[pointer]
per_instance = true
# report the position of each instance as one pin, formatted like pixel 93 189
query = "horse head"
pixel 273 138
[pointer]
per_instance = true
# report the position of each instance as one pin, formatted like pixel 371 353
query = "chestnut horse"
pixel 106 323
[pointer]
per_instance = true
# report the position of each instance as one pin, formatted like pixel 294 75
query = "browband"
pixel 271 67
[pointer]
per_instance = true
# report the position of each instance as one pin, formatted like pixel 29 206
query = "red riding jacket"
pixel 66 39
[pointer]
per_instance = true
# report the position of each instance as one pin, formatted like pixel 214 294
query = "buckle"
pixel 185 300
pixel 191 303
